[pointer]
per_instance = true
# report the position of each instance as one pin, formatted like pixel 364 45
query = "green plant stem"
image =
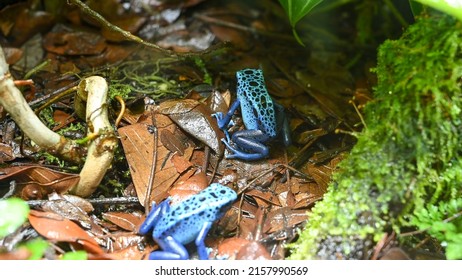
pixel 396 13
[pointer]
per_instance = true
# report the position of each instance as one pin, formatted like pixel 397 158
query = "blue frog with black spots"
pixel 264 119
pixel 189 220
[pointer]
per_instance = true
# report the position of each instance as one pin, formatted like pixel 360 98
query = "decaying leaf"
pixel 253 251
pixel 188 187
pixel 138 144
pixel 37 180
pixel 127 221
pixel 71 42
pixel 55 227
pixel 283 218
pixel 196 119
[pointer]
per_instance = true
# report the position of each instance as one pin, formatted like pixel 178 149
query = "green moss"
pixel 407 159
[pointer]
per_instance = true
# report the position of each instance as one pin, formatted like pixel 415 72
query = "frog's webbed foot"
pixel 172 250
pixel 219 117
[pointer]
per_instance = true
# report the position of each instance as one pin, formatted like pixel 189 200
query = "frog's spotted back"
pixel 254 97
pixel 185 219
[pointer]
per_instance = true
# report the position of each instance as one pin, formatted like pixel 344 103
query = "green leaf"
pixel 297 9
pixel 75 256
pixel 37 247
pixel 451 7
pixel 416 8
pixel 13 213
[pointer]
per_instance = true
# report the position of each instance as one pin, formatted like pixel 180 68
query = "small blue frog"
pixel 187 221
pixel 264 119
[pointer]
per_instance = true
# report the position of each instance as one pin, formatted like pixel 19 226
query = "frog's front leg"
pixel 172 250
pixel 223 121
pixel 252 141
pixel 200 241
pixel 154 216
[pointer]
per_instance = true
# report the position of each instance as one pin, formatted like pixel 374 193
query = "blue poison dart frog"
pixel 189 220
pixel 264 119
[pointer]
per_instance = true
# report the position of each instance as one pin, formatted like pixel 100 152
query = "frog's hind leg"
pixel 250 140
pixel 172 250
pixel 283 124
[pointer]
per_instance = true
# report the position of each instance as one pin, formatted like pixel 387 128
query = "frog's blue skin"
pixel 187 221
pixel 263 118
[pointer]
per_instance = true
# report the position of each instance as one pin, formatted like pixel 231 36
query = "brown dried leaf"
pixel 283 218
pixel 82 203
pixel 127 221
pixel 268 197
pixel 138 144
pixel 38 180
pixel 19 23
pixel 133 252
pixel 17 254
pixel 70 42
pixel 174 142
pixel 253 251
pixel 55 227
pixel 6 153
pixel 184 189
pixel 62 119
pixel 180 162
pixel 230 246
pixel 68 210
pixel 196 119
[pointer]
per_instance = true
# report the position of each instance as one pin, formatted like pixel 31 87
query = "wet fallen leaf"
pixel 38 180
pixel 228 248
pixel 174 142
pixel 253 251
pixel 191 186
pixel 62 119
pixel 219 102
pixel 283 218
pixel 82 203
pixel 180 162
pixel 228 34
pixel 138 144
pixel 65 41
pixel 18 254
pixel 133 252
pixel 12 55
pixel 395 253
pixel 267 197
pixel 128 221
pixel 56 228
pixel 196 119
pixel 19 23
pixel 68 210
pixel 6 153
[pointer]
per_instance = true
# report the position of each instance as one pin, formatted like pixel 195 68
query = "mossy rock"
pixel 405 170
